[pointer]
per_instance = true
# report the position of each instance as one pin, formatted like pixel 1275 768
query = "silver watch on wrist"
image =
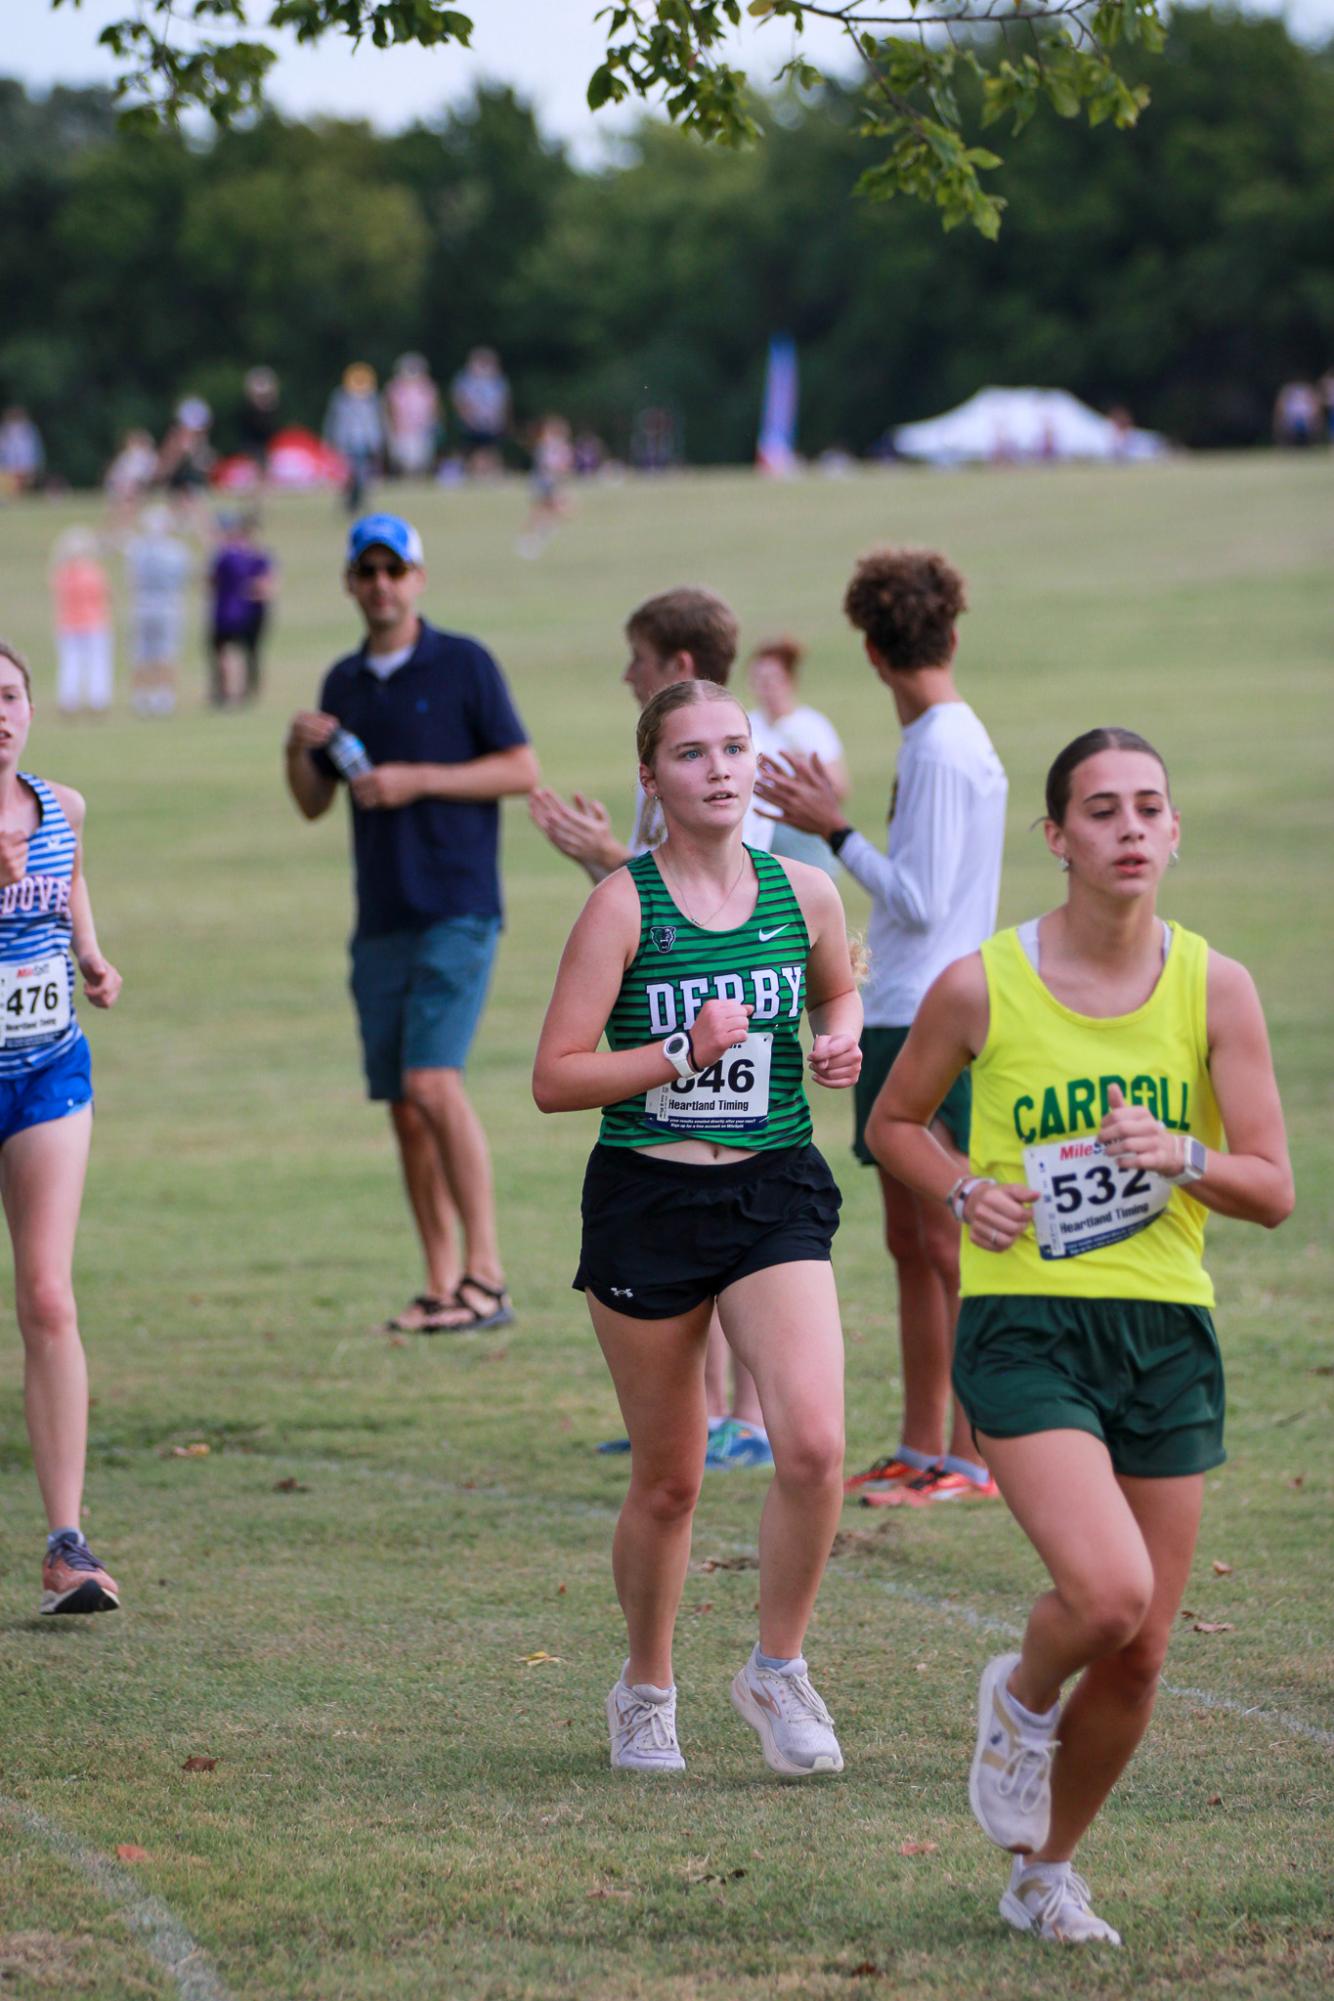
pixel 1194 1162
pixel 680 1055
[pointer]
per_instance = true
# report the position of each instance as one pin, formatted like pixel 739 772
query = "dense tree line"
pixel 1183 269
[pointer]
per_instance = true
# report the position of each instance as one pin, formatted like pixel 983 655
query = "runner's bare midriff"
pixel 698 1152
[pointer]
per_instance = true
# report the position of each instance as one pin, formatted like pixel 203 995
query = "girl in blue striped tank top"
pixel 46 1115
pixel 697 962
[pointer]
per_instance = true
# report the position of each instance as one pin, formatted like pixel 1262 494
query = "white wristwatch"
pixel 1194 1164
pixel 680 1055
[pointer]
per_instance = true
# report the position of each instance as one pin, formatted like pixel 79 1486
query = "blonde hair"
pixel 678 695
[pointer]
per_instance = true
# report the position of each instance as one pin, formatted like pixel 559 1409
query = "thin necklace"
pixel 700 922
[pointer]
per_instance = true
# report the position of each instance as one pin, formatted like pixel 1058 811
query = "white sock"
pixel 778 1663
pixel 1037 1720
pixel 968 1467
pixel 911 1457
pixel 1046 1872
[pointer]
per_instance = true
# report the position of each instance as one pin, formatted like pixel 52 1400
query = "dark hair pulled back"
pixel 1061 775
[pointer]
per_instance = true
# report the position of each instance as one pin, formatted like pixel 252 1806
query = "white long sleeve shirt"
pixel 934 891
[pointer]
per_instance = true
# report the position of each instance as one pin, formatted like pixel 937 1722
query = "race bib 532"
pixel 1087 1200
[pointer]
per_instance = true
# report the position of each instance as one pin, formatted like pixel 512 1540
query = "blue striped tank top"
pixel 35 925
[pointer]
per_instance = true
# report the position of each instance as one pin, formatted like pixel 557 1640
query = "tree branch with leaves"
pixel 185 56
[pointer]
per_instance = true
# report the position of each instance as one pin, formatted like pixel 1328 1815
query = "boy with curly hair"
pixel 933 894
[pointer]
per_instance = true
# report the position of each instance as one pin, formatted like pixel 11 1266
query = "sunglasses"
pixel 365 571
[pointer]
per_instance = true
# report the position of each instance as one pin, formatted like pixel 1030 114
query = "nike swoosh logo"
pixel 765 936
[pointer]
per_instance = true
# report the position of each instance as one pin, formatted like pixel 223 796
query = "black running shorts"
pixel 660 1236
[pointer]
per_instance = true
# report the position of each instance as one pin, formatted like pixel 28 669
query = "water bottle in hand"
pixel 347 754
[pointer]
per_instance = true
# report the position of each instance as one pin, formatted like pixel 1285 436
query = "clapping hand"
pixel 578 827
pixel 802 791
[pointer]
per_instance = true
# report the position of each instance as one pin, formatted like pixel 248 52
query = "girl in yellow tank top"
pixel 1112 1054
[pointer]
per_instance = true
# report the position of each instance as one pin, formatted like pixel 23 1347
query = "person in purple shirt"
pixel 242 585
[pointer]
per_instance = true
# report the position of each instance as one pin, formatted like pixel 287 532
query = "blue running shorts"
pixel 35 1097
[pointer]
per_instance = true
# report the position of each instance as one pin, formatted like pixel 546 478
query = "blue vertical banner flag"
pixel 776 453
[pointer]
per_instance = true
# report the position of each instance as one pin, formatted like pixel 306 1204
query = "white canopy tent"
pixel 1003 425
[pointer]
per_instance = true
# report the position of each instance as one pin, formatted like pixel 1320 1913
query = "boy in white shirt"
pixel 933 899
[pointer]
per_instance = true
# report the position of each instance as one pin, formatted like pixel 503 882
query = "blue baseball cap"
pixel 384 531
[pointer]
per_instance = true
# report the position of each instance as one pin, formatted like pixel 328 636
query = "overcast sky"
pixel 546 48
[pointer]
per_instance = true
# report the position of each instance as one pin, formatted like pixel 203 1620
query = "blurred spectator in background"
pixel 481 398
pixel 242 584
pixel 131 472
pixel 1326 388
pixel 1299 417
pixel 81 597
pixel 22 459
pixel 781 724
pixel 353 426
pixel 654 443
pixel 158 565
pixel 590 454
pixel 259 417
pixel 553 462
pixel 185 458
pixel 412 417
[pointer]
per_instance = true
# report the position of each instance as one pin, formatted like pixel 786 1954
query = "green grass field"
pixel 335 1601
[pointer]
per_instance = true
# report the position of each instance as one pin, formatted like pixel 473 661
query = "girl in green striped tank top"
pixel 697 962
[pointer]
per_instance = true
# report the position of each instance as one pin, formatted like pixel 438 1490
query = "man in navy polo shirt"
pixel 445 745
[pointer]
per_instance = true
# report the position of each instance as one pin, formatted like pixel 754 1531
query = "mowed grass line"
pixel 401 1807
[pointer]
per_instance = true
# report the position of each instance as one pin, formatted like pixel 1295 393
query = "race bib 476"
pixel 34 1000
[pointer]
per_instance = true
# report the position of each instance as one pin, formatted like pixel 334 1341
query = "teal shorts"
pixel 419 998
pixel 879 1048
pixel 1145 1376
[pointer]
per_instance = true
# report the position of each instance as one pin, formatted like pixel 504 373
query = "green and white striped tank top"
pixel 753 1096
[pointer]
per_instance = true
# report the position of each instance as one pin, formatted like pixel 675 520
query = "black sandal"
pixel 429 1305
pixel 501 1314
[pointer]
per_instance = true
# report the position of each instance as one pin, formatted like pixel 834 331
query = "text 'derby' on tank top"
pixel 753 1096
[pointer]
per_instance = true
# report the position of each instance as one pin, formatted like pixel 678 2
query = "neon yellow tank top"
pixel 1040 1085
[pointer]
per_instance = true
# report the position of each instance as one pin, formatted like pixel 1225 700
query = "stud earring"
pixel 1063 864
pixel 1174 858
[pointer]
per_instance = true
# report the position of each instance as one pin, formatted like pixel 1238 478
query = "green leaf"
pixel 604 86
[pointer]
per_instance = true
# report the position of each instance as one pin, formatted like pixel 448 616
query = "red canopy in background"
pixel 297 460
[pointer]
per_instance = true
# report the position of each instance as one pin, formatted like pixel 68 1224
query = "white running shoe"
pixel 795 1729
pixel 1053 1905
pixel 1009 1786
pixel 642 1720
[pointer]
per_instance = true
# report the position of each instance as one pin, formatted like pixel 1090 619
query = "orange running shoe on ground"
pixel 933 1485
pixel 74 1581
pixel 890 1472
